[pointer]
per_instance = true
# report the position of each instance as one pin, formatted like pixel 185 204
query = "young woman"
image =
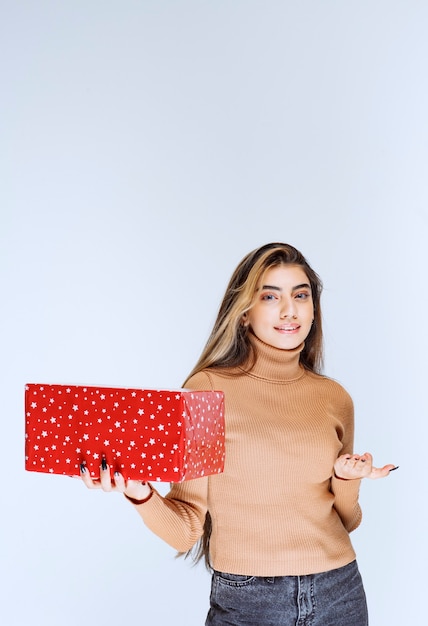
pixel 274 527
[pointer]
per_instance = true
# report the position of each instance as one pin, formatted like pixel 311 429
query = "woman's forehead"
pixel 286 272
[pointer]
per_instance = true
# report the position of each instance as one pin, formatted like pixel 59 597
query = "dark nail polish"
pixel 103 464
pixel 82 468
pixel 394 468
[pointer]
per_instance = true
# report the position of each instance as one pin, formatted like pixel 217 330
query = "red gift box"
pixel 157 435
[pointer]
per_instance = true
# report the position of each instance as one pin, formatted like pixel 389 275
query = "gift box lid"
pixel 145 434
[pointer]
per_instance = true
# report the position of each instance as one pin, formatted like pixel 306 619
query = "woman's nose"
pixel 289 310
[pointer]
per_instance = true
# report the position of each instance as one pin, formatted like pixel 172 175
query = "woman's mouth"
pixel 287 329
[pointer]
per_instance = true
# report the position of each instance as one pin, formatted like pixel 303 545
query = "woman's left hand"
pixel 351 466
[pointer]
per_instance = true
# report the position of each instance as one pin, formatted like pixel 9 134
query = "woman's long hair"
pixel 229 346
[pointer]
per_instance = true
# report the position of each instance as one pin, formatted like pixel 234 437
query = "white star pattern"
pixel 183 430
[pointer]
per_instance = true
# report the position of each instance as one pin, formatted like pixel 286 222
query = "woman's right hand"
pixel 134 489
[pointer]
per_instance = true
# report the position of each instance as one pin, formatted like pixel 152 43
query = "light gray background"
pixel 146 146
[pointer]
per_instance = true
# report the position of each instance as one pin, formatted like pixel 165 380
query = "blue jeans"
pixel 334 598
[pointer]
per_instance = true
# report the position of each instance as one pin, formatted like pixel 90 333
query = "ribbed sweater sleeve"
pixel 179 517
pixel 346 502
pixel 346 491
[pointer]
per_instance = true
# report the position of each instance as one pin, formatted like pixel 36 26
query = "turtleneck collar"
pixel 273 363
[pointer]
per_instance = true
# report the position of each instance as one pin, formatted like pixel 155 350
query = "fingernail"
pixel 103 464
pixel 394 468
pixel 82 468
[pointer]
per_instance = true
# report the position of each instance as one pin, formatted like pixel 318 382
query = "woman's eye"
pixel 268 296
pixel 302 296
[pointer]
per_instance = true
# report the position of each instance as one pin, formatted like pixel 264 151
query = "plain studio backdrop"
pixel 146 146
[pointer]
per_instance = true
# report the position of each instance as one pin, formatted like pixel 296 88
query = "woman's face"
pixel 283 309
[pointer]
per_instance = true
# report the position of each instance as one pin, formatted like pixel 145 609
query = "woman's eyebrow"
pixel 275 288
pixel 302 286
pixel 271 287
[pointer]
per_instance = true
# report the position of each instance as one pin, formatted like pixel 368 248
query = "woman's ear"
pixel 244 320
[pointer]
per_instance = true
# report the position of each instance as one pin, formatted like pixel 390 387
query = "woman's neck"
pixel 274 363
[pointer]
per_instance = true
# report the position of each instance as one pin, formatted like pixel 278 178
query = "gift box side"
pixel 205 434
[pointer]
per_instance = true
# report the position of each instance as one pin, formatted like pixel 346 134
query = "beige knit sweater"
pixel 277 509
